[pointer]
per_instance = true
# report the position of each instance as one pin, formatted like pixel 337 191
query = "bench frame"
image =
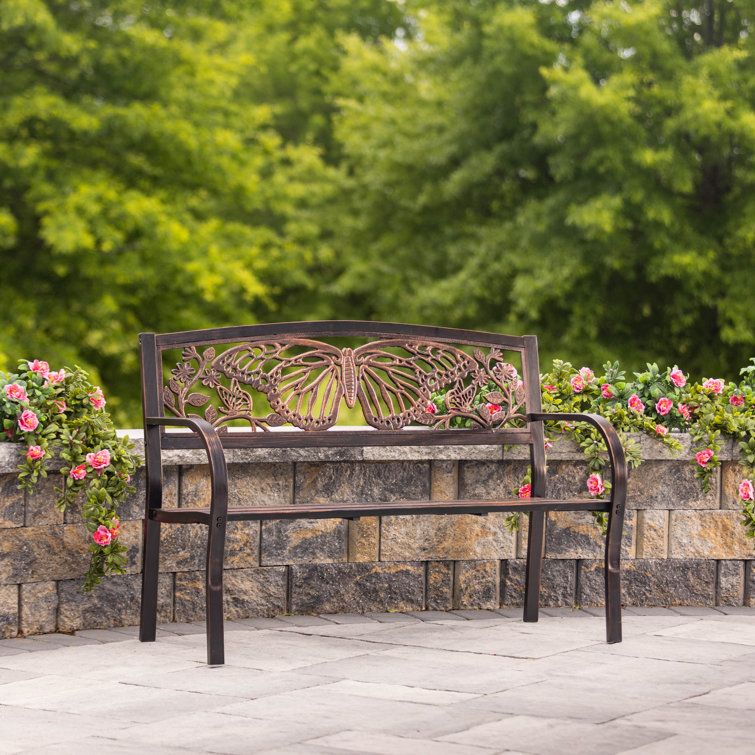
pixel 393 431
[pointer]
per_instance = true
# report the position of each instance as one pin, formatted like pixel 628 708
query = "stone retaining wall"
pixel 681 546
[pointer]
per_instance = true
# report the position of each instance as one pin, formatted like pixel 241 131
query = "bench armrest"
pixel 215 458
pixel 612 441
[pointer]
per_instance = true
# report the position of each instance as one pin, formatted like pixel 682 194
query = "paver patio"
pixel 458 683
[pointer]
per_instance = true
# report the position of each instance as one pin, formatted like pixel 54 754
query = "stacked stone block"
pixel 681 546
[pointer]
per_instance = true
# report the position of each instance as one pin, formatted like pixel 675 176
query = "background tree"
pixel 582 170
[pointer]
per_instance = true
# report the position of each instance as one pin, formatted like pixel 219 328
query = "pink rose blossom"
pixel 703 457
pixel 595 485
pixel 661 430
pixel 664 406
pixel 79 473
pixel 548 445
pixel 587 374
pixel 55 377
pixel 16 392
pixel 28 421
pixel 102 536
pixel 41 367
pixel 577 383
pixel 677 377
pixel 746 490
pixel 684 410
pixel 97 399
pixel 35 452
pixel 115 529
pixel 714 385
pixel 99 460
pixel 549 387
pixel 493 408
pixel 431 408
pixel 61 406
pixel 635 404
pixel 737 399
pixel 525 491
pixel 606 390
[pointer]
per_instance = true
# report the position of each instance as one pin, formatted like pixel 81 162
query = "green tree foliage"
pixel 581 170
pixel 160 163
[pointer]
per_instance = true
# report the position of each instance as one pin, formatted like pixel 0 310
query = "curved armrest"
pixel 611 438
pixel 215 457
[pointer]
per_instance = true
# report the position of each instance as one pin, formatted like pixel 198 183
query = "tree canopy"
pixel 580 169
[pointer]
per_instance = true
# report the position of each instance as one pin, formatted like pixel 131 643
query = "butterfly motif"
pixel 392 379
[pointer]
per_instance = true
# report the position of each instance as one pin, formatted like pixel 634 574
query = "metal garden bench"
pixel 300 374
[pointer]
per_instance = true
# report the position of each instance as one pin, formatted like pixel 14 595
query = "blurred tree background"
pixel 578 169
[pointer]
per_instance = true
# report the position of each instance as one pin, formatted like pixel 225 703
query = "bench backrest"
pixel 286 383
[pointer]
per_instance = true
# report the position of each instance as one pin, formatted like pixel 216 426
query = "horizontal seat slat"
pixel 392 508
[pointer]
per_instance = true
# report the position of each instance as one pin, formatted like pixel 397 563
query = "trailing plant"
pixel 60 415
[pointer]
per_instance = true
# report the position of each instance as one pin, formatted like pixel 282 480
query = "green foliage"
pixel 60 415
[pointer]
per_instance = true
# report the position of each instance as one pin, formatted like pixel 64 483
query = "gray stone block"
pixel 730 589
pixel 669 485
pixel 40 503
pixel 440 585
pixel 558 582
pixel 246 593
pixel 11 502
pixel 477 584
pixel 653 582
pixel 183 547
pixel 364 539
pixel 296 541
pixel 446 537
pixel 357 588
pixel 490 480
pixel 362 481
pixel 39 608
pixel 652 533
pixel 444 480
pixel 113 603
pixel 576 534
pixel 8 611
pixel 708 534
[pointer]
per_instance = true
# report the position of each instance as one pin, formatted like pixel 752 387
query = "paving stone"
pixel 303 621
pixel 475 614
pixel 348 618
pixel 434 615
pixel 392 617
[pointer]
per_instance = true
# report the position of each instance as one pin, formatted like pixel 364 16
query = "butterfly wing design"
pixel 396 378
pixel 303 388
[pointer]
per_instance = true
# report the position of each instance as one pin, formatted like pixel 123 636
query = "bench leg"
pixel 534 565
pixel 613 578
pixel 150 565
pixel 214 594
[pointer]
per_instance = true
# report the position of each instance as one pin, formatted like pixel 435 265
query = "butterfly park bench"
pixel 301 374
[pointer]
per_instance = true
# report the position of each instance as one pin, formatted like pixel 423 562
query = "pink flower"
pixel 35 452
pixel 102 536
pixel 595 485
pixel 431 408
pixel 714 385
pixel 97 399
pixel 79 473
pixel 493 408
pixel 737 399
pixel 16 392
pixel 606 390
pixel 664 406
pixel 587 374
pixel 41 367
pixel 677 377
pixel 635 404
pixel 99 460
pixel 525 491
pixel 661 430
pixel 549 387
pixel 28 421
pixel 61 406
pixel 115 529
pixel 746 491
pixel 703 457
pixel 548 445
pixel 55 377
pixel 577 383
pixel 684 410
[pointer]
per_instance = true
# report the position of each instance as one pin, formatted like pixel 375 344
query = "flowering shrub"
pixel 61 416
pixel 655 402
